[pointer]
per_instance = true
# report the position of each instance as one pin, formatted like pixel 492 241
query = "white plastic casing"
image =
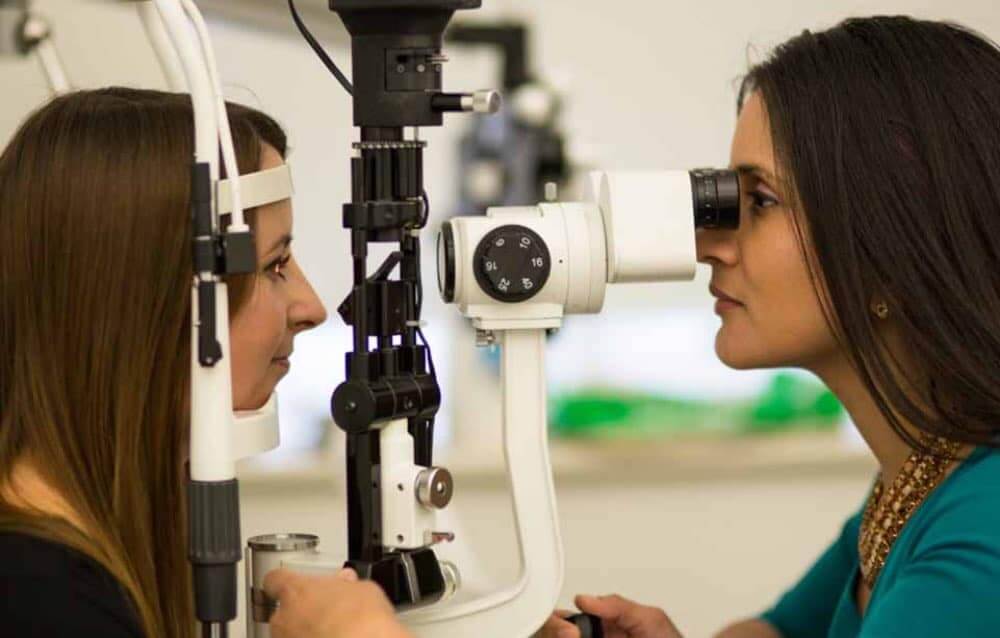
pixel 574 236
pixel 649 222
pixel 406 523
pixel 633 227
pixel 213 439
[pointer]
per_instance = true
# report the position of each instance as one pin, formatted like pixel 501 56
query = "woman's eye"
pixel 760 200
pixel 277 266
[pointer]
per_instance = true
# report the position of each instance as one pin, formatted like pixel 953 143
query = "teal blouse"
pixel 941 578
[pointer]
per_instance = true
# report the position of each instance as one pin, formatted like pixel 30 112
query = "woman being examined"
pixel 867 253
pixel 95 316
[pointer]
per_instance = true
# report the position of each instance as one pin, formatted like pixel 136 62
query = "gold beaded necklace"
pixel 884 517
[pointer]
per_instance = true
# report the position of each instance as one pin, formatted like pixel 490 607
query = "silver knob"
pixel 485 338
pixel 551 191
pixel 482 102
pixel 435 487
pixel 452 579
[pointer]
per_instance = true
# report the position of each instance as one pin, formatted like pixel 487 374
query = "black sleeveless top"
pixel 48 590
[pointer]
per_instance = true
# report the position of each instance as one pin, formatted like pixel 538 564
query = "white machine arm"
pixel 165 53
pixel 516 612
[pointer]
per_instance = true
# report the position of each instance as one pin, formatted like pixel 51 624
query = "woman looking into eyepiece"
pixel 866 253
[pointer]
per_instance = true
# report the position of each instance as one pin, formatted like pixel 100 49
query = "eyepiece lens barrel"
pixel 716 195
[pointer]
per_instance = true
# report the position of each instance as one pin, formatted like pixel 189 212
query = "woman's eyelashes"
pixel 761 199
pixel 277 267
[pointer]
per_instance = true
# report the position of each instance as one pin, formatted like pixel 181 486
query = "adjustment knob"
pixel 512 263
pixel 486 102
pixel 435 487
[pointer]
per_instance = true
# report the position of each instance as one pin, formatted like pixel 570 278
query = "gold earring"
pixel 881 309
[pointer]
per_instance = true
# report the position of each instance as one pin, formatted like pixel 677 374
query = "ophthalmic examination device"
pixel 514 273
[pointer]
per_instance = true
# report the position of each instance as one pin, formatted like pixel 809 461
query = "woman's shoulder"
pixel 965 508
pixel 940 577
pixel 976 482
pixel 26 554
pixel 52 589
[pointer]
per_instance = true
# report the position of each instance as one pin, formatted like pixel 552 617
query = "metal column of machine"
pixel 391 393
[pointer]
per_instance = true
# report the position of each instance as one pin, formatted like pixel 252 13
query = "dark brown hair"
pixel 95 260
pixel 888 131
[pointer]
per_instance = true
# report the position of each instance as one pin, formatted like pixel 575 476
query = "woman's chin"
pixel 250 404
pixel 734 354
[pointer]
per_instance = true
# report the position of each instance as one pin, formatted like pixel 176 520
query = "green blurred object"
pixel 789 402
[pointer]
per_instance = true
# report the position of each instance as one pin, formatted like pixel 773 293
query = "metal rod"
pixel 214 630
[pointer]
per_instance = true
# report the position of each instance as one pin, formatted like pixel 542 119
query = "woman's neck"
pixel 889 449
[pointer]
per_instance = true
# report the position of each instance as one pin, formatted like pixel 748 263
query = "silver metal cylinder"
pixel 435 487
pixel 263 555
pixel 452 579
pixel 486 102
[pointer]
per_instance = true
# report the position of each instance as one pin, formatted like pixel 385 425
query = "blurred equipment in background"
pixel 506 159
pixel 24 33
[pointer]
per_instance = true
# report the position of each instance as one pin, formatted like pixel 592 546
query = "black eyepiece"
pixel 716 195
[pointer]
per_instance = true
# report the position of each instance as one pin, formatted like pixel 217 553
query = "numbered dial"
pixel 512 263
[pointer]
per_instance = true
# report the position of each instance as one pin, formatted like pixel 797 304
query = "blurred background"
pixel 681 483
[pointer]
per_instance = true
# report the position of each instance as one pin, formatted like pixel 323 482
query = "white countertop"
pixel 591 461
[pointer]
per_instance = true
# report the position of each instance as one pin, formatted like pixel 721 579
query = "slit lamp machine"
pixel 514 273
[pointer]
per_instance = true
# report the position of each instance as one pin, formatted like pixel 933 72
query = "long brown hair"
pixel 95 264
pixel 888 129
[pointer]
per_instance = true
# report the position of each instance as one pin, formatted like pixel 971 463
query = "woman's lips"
pixel 725 302
pixel 723 305
pixel 721 295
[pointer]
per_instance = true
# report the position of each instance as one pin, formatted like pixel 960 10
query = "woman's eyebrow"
pixel 282 243
pixel 757 170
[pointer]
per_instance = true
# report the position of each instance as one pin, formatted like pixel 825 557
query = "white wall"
pixel 101 43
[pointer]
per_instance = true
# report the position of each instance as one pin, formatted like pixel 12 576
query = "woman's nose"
pixel 307 311
pixel 716 245
pixel 315 311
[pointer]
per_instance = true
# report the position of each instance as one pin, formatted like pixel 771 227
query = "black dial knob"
pixel 512 263
pixel 446 262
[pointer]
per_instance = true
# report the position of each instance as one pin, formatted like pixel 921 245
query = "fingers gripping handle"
pixel 589 625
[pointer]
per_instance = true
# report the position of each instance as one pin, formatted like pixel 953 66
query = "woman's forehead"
pixel 269 157
pixel 752 144
pixel 274 220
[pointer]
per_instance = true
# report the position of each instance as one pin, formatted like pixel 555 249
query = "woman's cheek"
pixel 277 322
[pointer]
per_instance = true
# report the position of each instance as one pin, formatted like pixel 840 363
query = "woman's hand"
pixel 622 618
pixel 330 606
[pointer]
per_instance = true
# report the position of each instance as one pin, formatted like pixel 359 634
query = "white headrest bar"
pixel 257 189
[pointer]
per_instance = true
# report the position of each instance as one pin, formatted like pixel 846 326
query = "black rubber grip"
pixel 589 625
pixel 214 523
pixel 214 547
